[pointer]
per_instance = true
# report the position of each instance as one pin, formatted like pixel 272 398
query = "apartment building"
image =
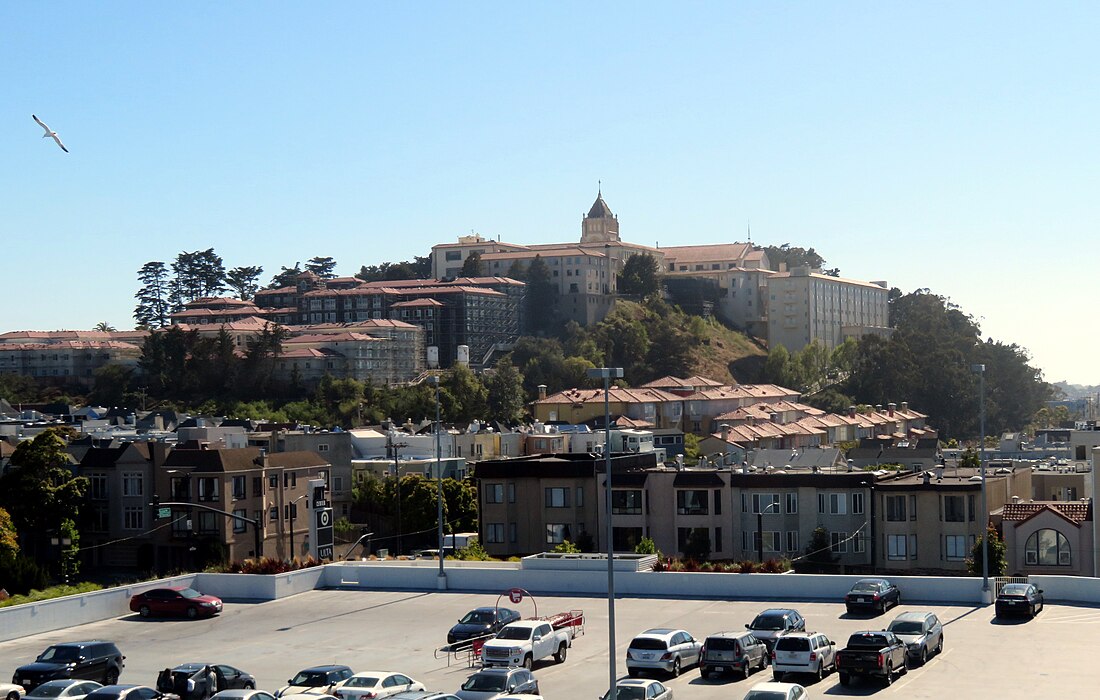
pixel 335 447
pixel 804 306
pixel 929 520
pixel 737 274
pixel 248 482
pixel 64 360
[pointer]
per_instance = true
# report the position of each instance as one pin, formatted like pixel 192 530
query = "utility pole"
pixel 392 448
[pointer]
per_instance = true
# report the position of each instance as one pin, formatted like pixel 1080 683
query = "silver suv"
pixel 662 649
pixel 921 632
pixel 803 652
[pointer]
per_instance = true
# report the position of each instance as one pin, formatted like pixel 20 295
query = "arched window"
pixel 1047 548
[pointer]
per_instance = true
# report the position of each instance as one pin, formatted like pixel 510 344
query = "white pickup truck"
pixel 524 642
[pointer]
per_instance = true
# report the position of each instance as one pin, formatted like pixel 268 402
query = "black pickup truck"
pixel 874 654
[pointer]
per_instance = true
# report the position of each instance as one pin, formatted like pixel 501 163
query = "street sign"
pixel 516 596
pixel 321 535
pixel 164 513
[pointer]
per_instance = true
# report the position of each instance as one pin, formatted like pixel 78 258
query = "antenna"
pixel 748 227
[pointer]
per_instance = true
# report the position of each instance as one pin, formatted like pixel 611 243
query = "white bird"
pixel 50 133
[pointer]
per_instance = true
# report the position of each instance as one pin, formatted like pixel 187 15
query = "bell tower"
pixel 600 225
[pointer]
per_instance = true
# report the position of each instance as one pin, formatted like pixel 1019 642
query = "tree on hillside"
pixel 472 265
pixel 541 300
pixel 195 275
pixel 153 304
pixel 244 281
pixel 505 399
pixel 518 271
pixel 323 267
pixel 286 277
pixel 420 267
pixel 40 491
pixel 466 397
pixel 793 256
pixel 641 276
pixel 9 537
pixel 110 385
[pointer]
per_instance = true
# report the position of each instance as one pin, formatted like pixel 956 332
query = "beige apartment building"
pixel 804 306
pixel 929 521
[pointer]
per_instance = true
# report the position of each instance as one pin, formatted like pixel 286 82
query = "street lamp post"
pixel 760 529
pixel 395 446
pixel 986 597
pixel 434 379
pixel 607 374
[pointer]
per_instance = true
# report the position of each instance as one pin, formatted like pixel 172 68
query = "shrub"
pixel 19 575
pixel 745 566
pixel 473 552
pixel 265 566
pixel 676 565
pixel 567 547
pixel 50 592
pixel 646 546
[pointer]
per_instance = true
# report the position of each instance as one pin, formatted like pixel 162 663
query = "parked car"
pixel 481 622
pixel 803 652
pixel 64 689
pixel 316 680
pixel 243 694
pixel 370 685
pixel 495 683
pixel 662 649
pixel 94 660
pixel 11 691
pixel 424 695
pixel 124 692
pixel 1019 599
pixel 178 601
pixel 921 632
pixel 871 654
pixel 773 622
pixel 225 678
pixel 734 652
pixel 308 696
pixel 874 594
pixel 640 689
pixel 777 691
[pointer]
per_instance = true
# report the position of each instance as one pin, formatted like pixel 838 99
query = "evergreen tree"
pixel 287 277
pixel 542 299
pixel 472 265
pixel 244 281
pixel 641 276
pixel 505 393
pixel 322 267
pixel 518 271
pixel 153 304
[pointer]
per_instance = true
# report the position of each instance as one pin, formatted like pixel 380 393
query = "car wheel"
pixel 632 672
pixel 923 655
pixel 144 611
pixel 13 695
pixel 560 656
pixel 848 608
pixel 192 613
pixel 939 645
pixel 249 686
pixel 889 679
pixel 676 667
pixel 820 672
pixel 844 678
pixel 703 673
pixel 528 662
pixel 881 607
pixel 111 677
pixel 777 676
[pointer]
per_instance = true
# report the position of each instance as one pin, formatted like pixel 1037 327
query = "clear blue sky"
pixel 952 146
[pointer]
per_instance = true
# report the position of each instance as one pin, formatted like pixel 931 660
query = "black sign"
pixel 324 552
pixel 319 500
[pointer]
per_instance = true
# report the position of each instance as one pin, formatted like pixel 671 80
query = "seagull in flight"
pixel 50 133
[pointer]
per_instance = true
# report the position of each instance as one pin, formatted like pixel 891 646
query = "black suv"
pixel 91 661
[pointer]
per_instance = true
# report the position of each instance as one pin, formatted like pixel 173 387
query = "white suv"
pixel 803 652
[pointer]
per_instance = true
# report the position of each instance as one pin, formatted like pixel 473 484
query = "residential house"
pixel 1049 537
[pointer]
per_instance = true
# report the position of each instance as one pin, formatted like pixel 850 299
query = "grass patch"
pixel 49 593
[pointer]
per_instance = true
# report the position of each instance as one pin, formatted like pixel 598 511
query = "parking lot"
pixel 401 631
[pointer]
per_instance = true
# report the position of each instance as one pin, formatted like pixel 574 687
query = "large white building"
pixel 804 306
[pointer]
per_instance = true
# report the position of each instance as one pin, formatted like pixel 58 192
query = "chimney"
pixel 890 407
pixel 851 411
pixel 542 391
pixel 926 478
pixel 725 432
pixel 1015 499
pixel 774 417
pixel 878 408
pixel 905 406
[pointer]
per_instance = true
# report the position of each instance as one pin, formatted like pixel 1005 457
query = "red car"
pixel 176 600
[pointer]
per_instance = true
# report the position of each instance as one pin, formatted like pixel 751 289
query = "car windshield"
pixel 190 593
pixel 766 695
pixel 50 690
pixel 906 627
pixel 632 692
pixel 361 682
pixel 768 622
pixel 492 683
pixel 865 587
pixel 515 633
pixel 649 643
pixel 310 679
pixel 477 617
pixel 60 653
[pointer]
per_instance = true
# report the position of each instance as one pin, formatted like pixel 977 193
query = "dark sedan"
pixel 177 601
pixel 1019 599
pixel 481 622
pixel 225 677
pixel 875 594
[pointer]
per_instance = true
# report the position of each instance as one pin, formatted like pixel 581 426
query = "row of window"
pixel 953 509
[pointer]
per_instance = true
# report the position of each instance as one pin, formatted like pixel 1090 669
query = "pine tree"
pixel 243 281
pixel 322 267
pixel 153 298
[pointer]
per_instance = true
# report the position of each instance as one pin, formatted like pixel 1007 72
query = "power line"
pixel 131 537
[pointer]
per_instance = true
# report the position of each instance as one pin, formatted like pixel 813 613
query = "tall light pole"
pixel 607 374
pixel 760 528
pixel 434 379
pixel 290 515
pixel 986 598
